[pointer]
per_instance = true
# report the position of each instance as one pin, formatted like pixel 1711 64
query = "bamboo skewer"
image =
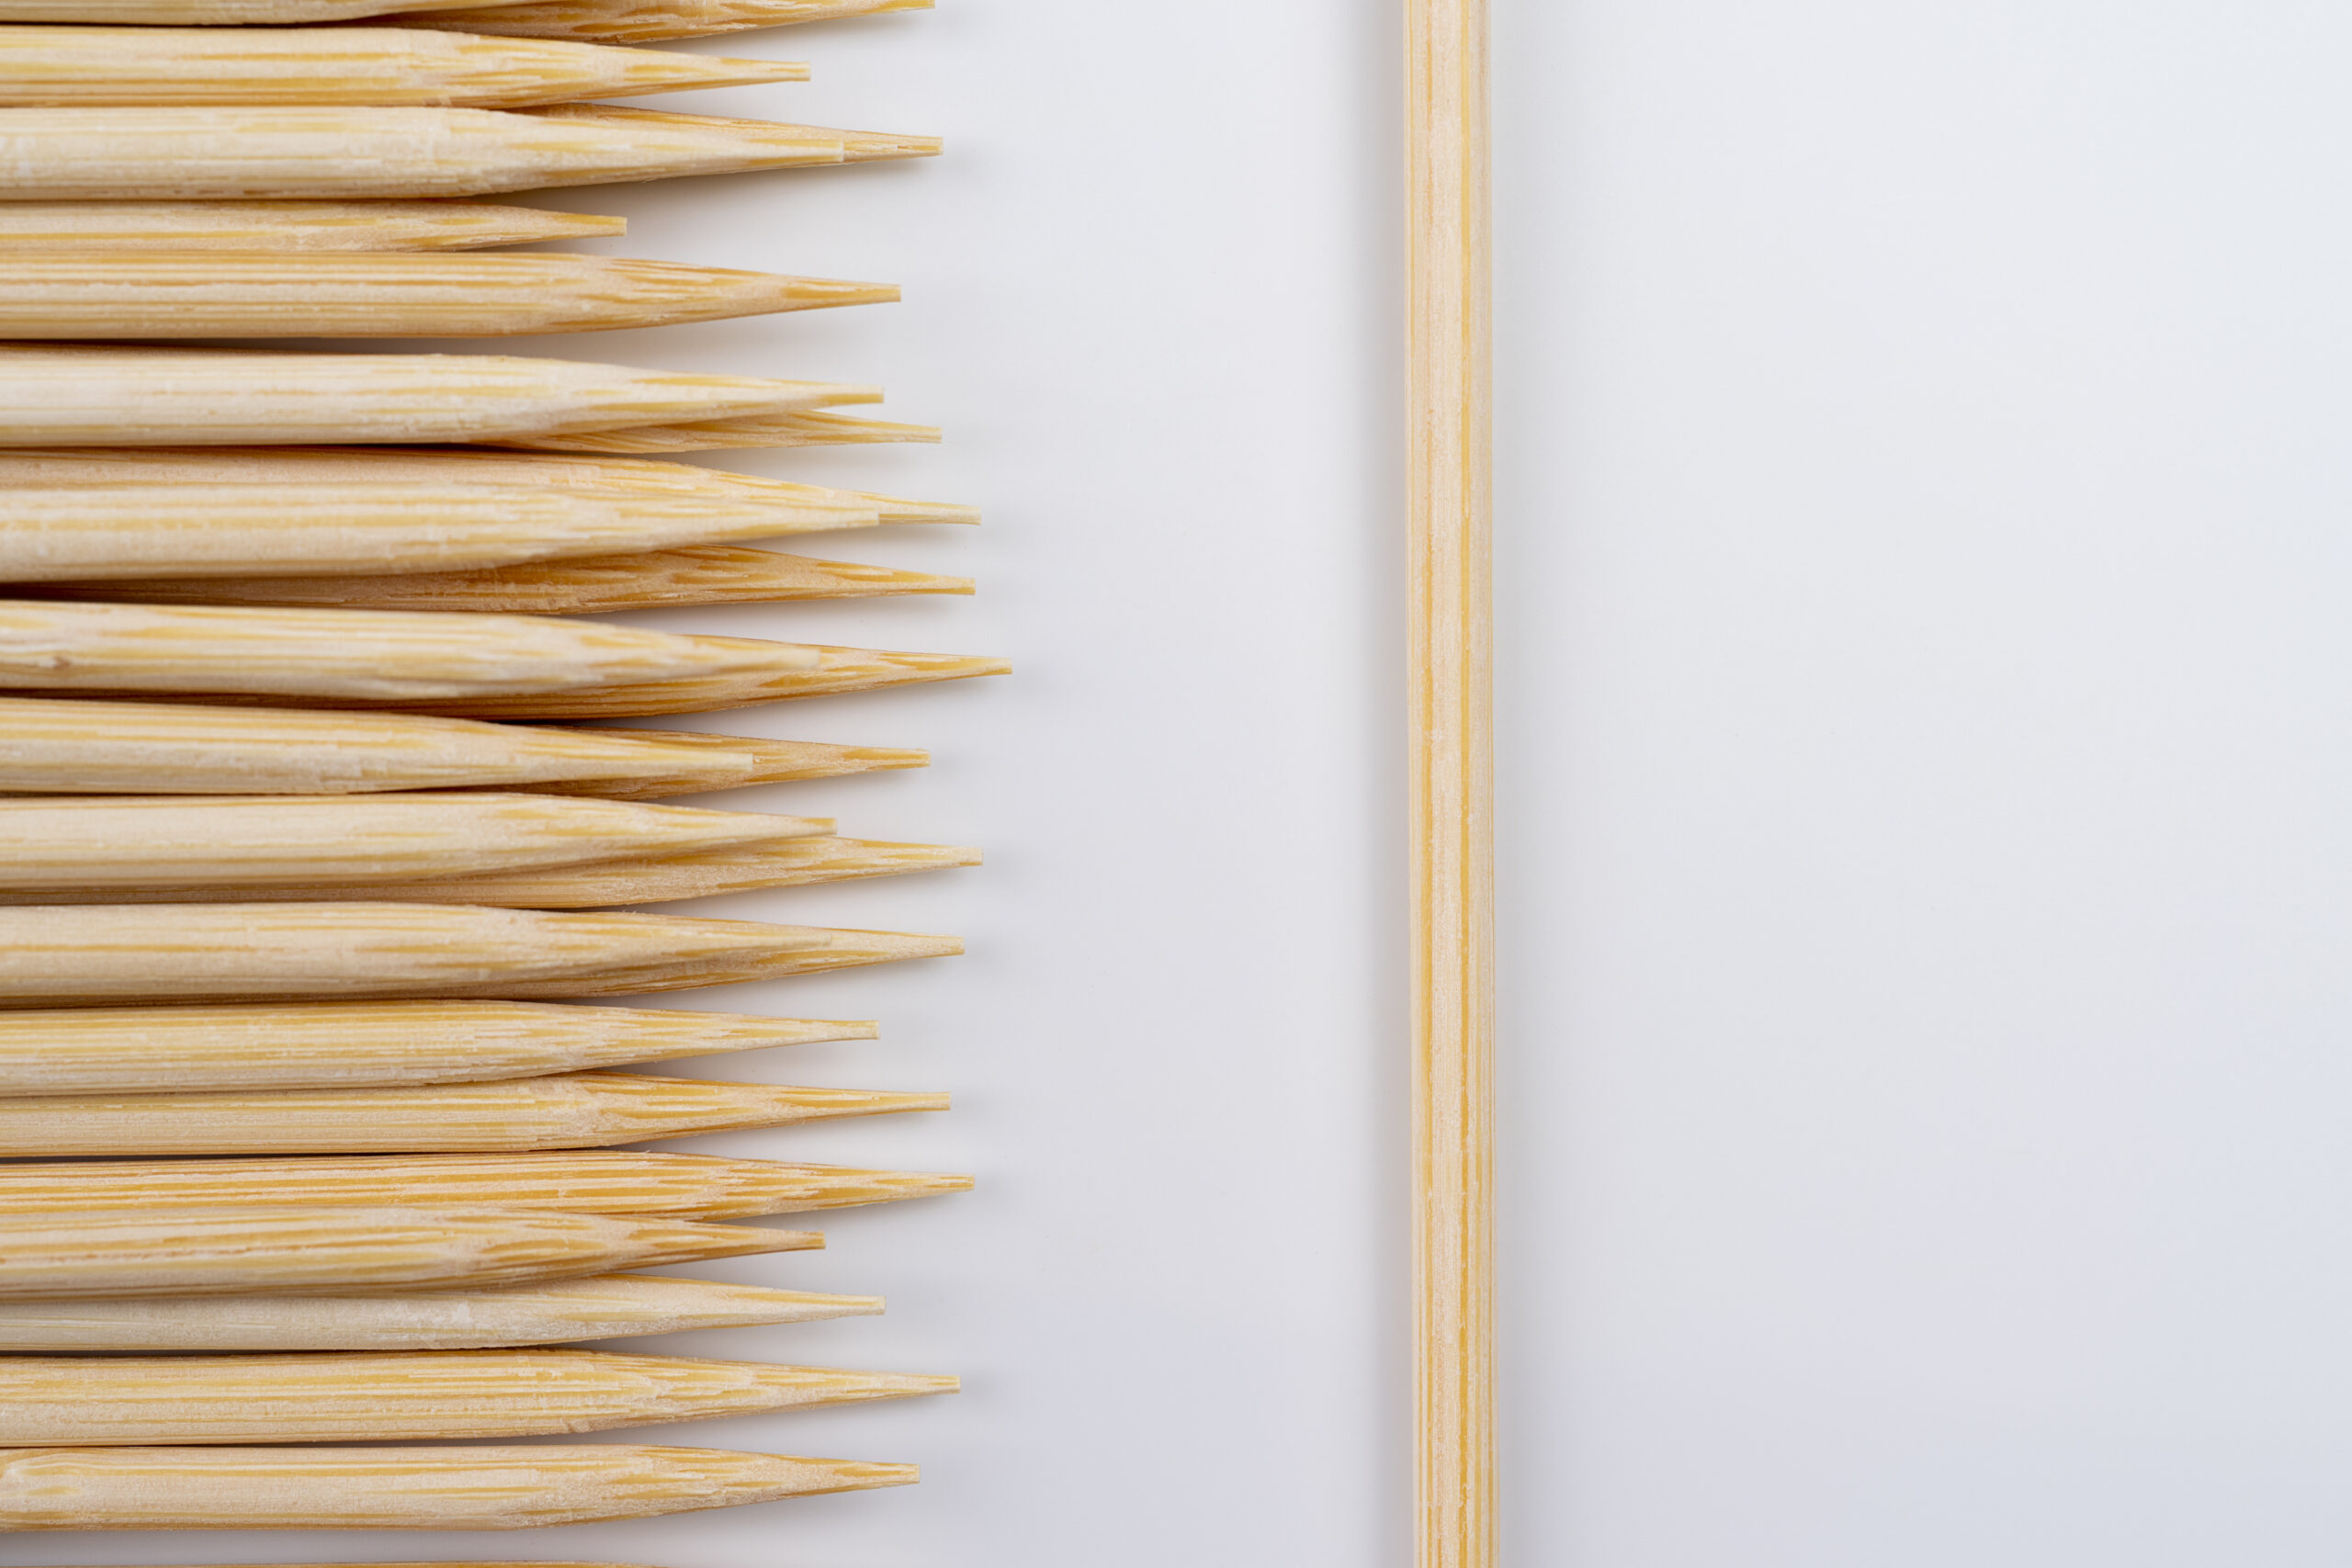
pixel 338 1396
pixel 215 154
pixel 791 428
pixel 51 745
pixel 104 844
pixel 101 954
pixel 108 293
pixel 357 1045
pixel 469 1486
pixel 443 662
pixel 80 394
pixel 577 1111
pixel 647 22
pixel 598 1182
pixel 286 1249
pixel 610 1306
pixel 182 227
pixel 795 862
pixel 87 66
pixel 199 13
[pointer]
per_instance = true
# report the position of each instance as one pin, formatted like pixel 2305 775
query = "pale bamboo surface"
pixel 102 846
pixel 101 293
pixel 695 574
pixel 340 1396
pixel 56 745
pixel 611 1306
pixel 462 1487
pixel 571 1112
pixel 215 154
pixel 595 1182
pixel 1450 691
pixel 199 13
pixel 108 395
pixel 648 21
pixel 311 477
pixel 796 862
pixel 791 428
pixel 102 954
pixel 286 1249
pixel 183 226
pixel 448 663
pixel 99 1051
pixel 64 66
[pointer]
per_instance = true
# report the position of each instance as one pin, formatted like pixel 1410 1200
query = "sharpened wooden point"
pixel 646 21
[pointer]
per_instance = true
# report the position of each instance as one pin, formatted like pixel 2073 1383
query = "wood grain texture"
pixel 183 226
pixel 644 21
pixel 1451 662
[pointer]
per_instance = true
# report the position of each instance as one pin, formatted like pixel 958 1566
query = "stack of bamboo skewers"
pixel 309 1137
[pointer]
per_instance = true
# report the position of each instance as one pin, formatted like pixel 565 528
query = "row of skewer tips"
pixel 308 891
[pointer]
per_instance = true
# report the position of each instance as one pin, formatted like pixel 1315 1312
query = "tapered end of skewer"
pixel 822 293
pixel 829 1385
pixel 899 509
pixel 872 146
pixel 686 1240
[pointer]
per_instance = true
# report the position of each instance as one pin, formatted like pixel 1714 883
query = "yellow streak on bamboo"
pixel 183 226
pixel 108 846
pixel 199 13
pixel 597 1181
pixel 773 761
pixel 779 430
pixel 101 394
pixel 575 1111
pixel 796 863
pixel 355 1045
pixel 611 1306
pixel 119 1401
pixel 464 1487
pixel 60 66
pixel 695 574
pixel 98 955
pixel 288 1249
pixel 104 293
pixel 331 152
pixel 648 21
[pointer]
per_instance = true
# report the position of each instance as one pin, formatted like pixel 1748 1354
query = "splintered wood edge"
pixel 1450 665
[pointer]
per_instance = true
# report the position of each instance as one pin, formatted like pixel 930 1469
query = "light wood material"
pixel 791 428
pixel 696 574
pixel 596 1181
pixel 100 846
pixel 105 1254
pixel 199 13
pixel 121 1401
pixel 648 21
pixel 64 66
pixel 510 666
pixel 466 1487
pixel 211 155
pixel 610 1306
pixel 102 954
pixel 1450 661
pixel 795 862
pixel 181 228
pixel 105 395
pixel 359 1044
pixel 55 745
pixel 573 1112
pixel 103 293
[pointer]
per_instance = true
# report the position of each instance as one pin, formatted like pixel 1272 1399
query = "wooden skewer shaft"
pixel 648 21
pixel 203 13
pixel 466 1487
pixel 778 430
pixel 180 228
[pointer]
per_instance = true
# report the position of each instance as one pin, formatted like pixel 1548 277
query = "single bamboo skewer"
pixel 596 1181
pixel 107 954
pixel 105 293
pixel 100 846
pixel 197 13
pixel 464 1488
pixel 441 662
pixel 214 154
pixel 647 22
pixel 55 745
pixel 795 862
pixel 87 66
pixel 286 1249
pixel 93 395
pixel 576 1110
pixel 99 1051
pixel 183 226
pixel 609 1306
pixel 336 1396
pixel 791 428
pixel 693 574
